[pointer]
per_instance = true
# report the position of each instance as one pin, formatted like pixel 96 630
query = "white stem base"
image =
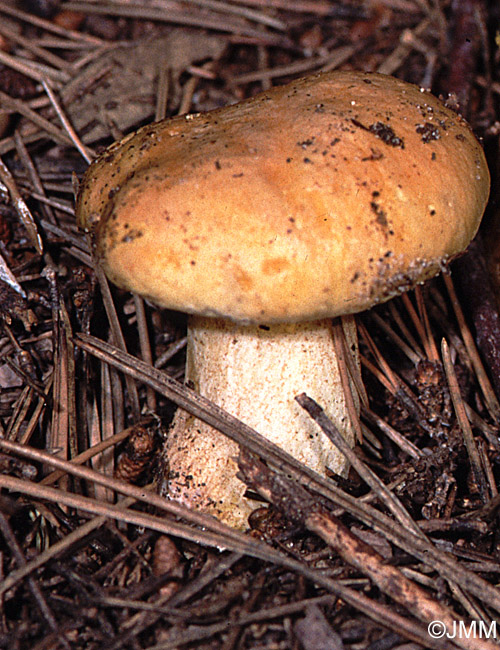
pixel 254 372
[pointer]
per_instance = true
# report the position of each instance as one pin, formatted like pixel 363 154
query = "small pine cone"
pixel 138 455
pixel 266 523
pixel 168 560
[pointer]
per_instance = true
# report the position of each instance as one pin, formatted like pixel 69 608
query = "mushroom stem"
pixel 254 372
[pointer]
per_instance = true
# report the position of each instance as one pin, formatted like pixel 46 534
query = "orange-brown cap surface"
pixel 314 199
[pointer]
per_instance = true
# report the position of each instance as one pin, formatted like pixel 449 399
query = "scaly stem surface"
pixel 254 372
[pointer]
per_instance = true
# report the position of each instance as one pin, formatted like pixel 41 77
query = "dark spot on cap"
pixel 428 132
pixel 130 236
pixel 386 134
pixel 383 131
pixel 381 216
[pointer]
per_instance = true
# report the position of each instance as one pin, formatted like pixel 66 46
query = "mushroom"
pixel 266 219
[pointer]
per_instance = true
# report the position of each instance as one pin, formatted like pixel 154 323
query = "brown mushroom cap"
pixel 314 199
